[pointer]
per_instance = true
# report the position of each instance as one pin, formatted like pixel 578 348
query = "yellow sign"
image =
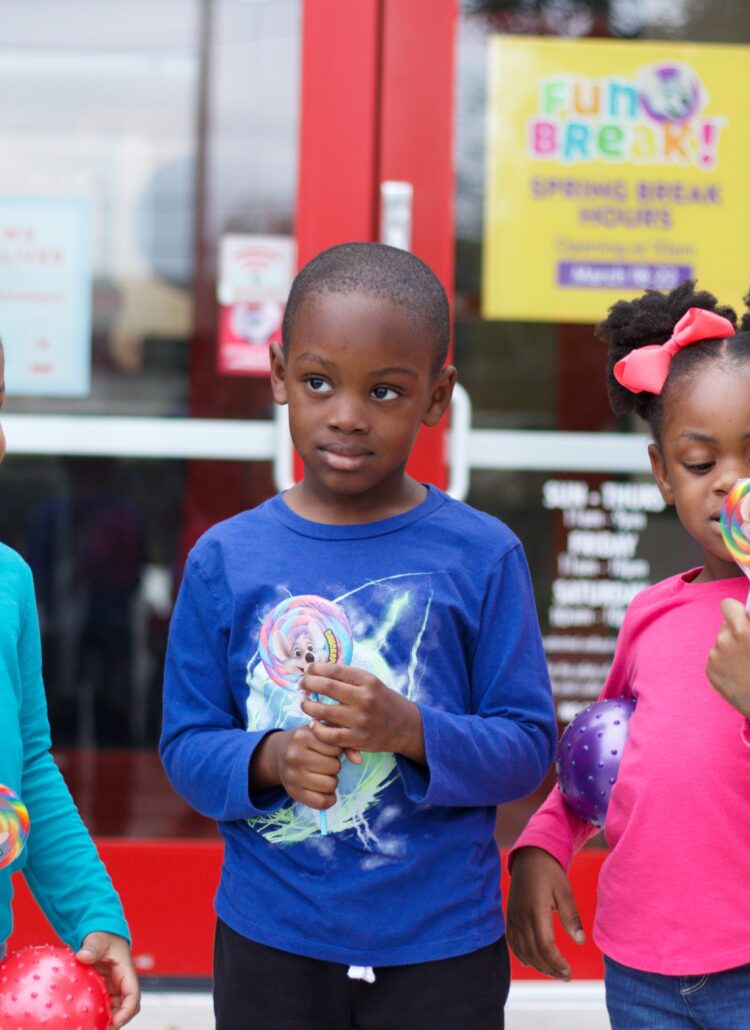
pixel 613 167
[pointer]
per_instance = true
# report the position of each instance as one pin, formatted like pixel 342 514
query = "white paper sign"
pixel 256 268
pixel 45 295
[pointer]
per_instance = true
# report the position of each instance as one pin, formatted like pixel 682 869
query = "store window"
pixel 175 123
pixel 549 376
pixel 168 123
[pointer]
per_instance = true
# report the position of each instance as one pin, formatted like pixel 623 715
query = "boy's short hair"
pixel 375 270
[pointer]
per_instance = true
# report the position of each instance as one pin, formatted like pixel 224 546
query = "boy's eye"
pixel 385 393
pixel 317 384
pixel 701 467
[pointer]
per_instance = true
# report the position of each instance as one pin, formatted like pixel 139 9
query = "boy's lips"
pixel 344 457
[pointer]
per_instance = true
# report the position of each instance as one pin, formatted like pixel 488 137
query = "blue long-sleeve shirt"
pixel 59 861
pixel 437 603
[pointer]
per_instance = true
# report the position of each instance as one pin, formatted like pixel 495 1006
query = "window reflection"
pixel 177 121
pixel 106 111
pixel 547 376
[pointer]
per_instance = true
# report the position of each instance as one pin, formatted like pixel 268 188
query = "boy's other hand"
pixel 110 955
pixel 728 666
pixel 308 768
pixel 368 716
pixel 539 887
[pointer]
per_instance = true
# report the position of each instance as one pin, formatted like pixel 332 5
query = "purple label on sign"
pixel 601 275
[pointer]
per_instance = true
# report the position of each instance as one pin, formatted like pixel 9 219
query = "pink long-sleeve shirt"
pixel 674 890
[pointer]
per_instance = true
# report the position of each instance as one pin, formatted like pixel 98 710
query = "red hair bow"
pixel 647 368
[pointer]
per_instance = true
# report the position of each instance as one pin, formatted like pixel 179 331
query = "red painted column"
pixel 416 145
pixel 339 118
pixel 416 120
pixel 377 104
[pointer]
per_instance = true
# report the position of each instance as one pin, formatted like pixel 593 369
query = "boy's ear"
pixel 659 468
pixel 278 374
pixel 440 398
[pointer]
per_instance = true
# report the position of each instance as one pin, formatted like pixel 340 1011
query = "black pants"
pixel 261 988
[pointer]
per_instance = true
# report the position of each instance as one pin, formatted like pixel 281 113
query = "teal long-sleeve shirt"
pixel 60 861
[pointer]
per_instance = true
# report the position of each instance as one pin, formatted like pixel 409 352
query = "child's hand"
pixel 368 716
pixel 728 666
pixel 308 768
pixel 539 887
pixel 110 955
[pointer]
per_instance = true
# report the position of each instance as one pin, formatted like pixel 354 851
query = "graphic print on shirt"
pixel 301 630
pixel 379 627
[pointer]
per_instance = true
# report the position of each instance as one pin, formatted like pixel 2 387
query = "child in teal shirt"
pixel 59 861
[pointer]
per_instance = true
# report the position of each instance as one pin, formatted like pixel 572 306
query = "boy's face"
pixel 359 382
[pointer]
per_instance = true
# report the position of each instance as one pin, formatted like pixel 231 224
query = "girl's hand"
pixel 110 955
pixel 307 768
pixel 540 887
pixel 368 715
pixel 728 666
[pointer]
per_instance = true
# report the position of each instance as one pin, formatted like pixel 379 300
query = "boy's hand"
pixel 110 955
pixel 539 887
pixel 307 768
pixel 728 666
pixel 368 716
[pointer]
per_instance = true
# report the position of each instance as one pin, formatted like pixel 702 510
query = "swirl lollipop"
pixel 301 630
pixel 14 826
pixel 735 526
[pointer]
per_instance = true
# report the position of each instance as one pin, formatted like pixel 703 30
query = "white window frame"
pixel 467 449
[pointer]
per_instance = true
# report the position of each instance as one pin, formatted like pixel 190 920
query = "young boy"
pixel 354 681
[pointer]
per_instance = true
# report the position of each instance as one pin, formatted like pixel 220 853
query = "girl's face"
pixel 2 398
pixel 705 449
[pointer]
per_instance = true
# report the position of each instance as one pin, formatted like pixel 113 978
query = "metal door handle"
pixel 457 444
pixel 283 452
pixel 396 201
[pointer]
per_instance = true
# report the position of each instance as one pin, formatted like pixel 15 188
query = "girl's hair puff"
pixel 650 319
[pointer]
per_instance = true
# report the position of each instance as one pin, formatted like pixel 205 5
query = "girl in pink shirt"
pixel 673 912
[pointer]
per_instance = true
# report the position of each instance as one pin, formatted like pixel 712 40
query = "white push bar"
pixel 125 437
pixel 265 440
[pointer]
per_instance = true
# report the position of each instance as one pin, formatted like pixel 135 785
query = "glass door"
pixel 136 136
pixel 545 452
pixel 174 125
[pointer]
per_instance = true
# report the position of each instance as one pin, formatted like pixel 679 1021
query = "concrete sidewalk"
pixel 532 1005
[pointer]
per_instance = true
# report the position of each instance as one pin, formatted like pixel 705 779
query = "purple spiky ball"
pixel 589 755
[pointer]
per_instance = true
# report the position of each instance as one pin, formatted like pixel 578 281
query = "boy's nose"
pixel 348 417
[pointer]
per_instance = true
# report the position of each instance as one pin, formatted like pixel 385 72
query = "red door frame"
pixel 377 104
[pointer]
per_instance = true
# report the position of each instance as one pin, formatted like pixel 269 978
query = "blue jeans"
pixel 652 1001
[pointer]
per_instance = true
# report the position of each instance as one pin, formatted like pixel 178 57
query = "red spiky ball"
pixel 47 988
